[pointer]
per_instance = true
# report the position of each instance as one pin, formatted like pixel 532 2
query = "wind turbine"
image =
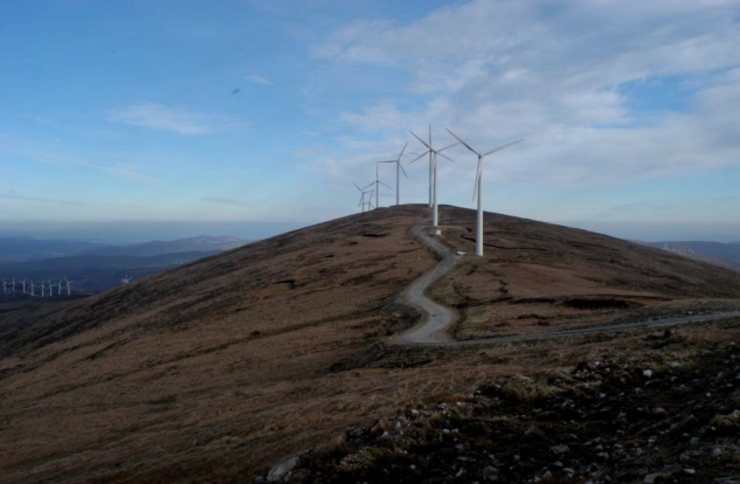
pixel 69 285
pixel 12 286
pixel 43 289
pixel 399 169
pixel 433 172
pixel 24 285
pixel 369 201
pixel 33 288
pixel 478 189
pixel 5 285
pixel 362 194
pixel 59 287
pixel 126 279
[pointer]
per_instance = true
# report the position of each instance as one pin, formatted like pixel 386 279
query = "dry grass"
pixel 213 371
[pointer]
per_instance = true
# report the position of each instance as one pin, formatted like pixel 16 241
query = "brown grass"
pixel 213 371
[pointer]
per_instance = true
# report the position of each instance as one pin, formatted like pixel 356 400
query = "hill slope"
pixel 211 371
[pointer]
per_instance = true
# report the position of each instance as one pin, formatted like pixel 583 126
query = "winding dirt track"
pixel 438 319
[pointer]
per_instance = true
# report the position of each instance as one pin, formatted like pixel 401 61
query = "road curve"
pixel 433 329
pixel 437 318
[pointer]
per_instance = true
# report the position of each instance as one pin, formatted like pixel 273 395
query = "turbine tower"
pixel 43 289
pixel 5 285
pixel 24 285
pixel 69 286
pixel 12 286
pixel 399 169
pixel 478 189
pixel 433 171
pixel 33 288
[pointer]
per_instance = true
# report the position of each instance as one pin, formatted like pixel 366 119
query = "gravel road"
pixel 438 319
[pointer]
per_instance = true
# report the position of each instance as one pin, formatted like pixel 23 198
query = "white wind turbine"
pixel 5 285
pixel 33 288
pixel 126 279
pixel 12 286
pixel 433 172
pixel 363 191
pixel 59 287
pixel 24 285
pixel 43 289
pixel 399 169
pixel 69 286
pixel 368 202
pixel 378 182
pixel 479 188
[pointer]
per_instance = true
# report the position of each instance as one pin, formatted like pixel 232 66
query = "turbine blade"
pixel 419 157
pixel 384 184
pixel 420 140
pixel 404 171
pixel 371 184
pixel 357 186
pixel 502 147
pixel 404 149
pixel 449 146
pixel 445 156
pixel 463 142
pixel 386 161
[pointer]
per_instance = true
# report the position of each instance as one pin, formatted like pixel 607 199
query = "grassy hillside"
pixel 212 371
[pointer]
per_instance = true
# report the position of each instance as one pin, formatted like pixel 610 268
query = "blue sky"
pixel 121 115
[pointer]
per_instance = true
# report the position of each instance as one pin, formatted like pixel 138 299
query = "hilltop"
pixel 214 370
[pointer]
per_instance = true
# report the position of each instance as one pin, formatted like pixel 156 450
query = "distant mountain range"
pixel 717 253
pixel 204 243
pixel 95 267
pixel 16 249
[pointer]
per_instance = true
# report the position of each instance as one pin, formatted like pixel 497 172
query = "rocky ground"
pixel 668 414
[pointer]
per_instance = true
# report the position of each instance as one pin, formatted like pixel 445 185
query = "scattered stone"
pixel 282 471
pixel 559 449
pixel 690 472
pixel 650 478
pixel 716 451
pixel 647 373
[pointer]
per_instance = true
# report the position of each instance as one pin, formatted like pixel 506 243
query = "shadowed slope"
pixel 211 371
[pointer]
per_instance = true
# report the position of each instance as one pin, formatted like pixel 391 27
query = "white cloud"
pixel 127 172
pixel 165 118
pixel 11 195
pixel 255 79
pixel 555 73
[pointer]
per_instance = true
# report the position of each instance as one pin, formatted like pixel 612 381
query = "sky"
pixel 127 121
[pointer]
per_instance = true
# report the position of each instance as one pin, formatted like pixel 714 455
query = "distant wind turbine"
pixel 363 192
pixel 33 288
pixel 126 279
pixel 433 171
pixel 69 286
pixel 24 285
pixel 478 189
pixel 399 169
